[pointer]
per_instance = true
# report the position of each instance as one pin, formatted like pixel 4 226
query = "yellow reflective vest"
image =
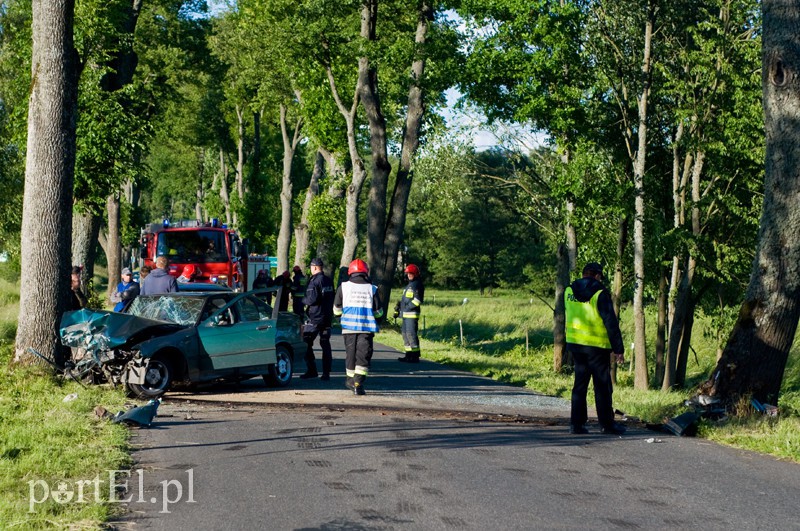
pixel 584 325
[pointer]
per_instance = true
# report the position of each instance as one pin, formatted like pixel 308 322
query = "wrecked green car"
pixel 185 338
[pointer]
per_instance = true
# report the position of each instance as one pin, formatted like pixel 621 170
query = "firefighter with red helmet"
pixel 408 307
pixel 358 305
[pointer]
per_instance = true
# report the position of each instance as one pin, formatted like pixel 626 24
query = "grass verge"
pixel 46 442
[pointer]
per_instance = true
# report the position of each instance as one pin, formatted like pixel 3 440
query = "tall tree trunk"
pixel 391 234
pixel 223 187
pixel 85 231
pixel 113 248
pixel 301 231
pixel 370 99
pixel 640 347
pixel 616 288
pixel 287 194
pixel 754 358
pixel 686 345
pixel 661 326
pixel 240 156
pixel 683 300
pixel 353 193
pixel 49 175
pixel 561 357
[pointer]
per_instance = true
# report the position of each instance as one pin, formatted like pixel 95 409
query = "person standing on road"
pixel 126 291
pixel 319 304
pixel 593 333
pixel 299 285
pixel 359 306
pixel 408 307
pixel 159 280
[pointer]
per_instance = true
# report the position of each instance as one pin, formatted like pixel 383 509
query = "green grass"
pixel 44 438
pixel 494 331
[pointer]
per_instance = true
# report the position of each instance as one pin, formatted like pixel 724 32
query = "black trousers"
pixel 358 353
pixel 596 366
pixel 324 343
pixel 410 336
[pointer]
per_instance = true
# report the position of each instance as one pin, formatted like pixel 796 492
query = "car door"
pixel 239 334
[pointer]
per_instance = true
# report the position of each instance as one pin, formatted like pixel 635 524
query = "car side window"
pixel 247 309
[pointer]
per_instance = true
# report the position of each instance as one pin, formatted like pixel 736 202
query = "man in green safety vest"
pixel 593 334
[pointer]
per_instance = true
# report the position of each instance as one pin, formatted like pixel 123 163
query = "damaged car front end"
pixel 107 347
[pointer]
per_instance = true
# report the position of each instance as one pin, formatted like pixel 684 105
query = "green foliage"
pixel 464 224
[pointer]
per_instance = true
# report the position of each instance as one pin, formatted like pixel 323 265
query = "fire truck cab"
pixel 216 252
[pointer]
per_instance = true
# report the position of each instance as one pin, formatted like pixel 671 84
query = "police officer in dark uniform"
pixel 593 333
pixel 299 285
pixel 319 303
pixel 408 307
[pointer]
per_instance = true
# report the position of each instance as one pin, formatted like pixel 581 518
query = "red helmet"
pixel 297 269
pixel 411 268
pixel 189 271
pixel 358 266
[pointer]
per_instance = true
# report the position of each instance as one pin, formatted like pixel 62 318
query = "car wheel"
pixel 156 379
pixel 280 374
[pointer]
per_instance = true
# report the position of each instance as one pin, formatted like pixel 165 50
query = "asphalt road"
pixel 216 464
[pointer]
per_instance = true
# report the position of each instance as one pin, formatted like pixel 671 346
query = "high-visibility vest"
pixel 584 324
pixel 357 307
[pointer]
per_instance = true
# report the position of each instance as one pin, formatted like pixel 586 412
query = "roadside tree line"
pixel 304 125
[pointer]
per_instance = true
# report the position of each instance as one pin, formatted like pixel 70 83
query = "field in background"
pixel 509 338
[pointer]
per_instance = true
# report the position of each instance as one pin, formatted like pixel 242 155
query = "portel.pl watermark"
pixel 111 488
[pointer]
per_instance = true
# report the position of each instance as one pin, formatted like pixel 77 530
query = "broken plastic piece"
pixel 70 397
pixel 139 416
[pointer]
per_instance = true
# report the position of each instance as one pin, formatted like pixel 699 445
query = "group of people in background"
pixel 357 303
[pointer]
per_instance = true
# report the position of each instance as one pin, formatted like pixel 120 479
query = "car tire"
pixel 157 379
pixel 280 373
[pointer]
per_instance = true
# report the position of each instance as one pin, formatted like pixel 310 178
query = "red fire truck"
pixel 216 252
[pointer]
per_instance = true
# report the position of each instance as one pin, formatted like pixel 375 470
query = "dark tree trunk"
pixel 661 326
pixel 85 232
pixel 49 176
pixel 113 247
pixel 301 231
pixel 754 358
pixel 561 357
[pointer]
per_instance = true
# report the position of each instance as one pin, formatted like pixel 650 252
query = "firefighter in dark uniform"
pixel 593 333
pixel 408 307
pixel 319 304
pixel 299 285
pixel 359 306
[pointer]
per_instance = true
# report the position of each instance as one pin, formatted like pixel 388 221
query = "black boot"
pixel 350 383
pixel 404 359
pixel 410 357
pixel 326 369
pixel 358 384
pixel 311 367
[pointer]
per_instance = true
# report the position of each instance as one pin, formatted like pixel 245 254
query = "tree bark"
pixel 49 176
pixel 754 358
pixel 640 347
pixel 385 232
pixel 301 231
pixel 561 356
pixel 223 187
pixel 287 194
pixel 85 232
pixel 661 326
pixel 240 155
pixel 113 248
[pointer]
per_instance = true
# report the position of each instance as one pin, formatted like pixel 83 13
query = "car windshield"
pixel 193 246
pixel 179 310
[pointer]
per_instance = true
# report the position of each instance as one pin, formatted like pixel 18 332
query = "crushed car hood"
pixel 97 330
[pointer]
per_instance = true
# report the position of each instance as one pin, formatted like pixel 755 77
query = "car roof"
pixel 201 287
